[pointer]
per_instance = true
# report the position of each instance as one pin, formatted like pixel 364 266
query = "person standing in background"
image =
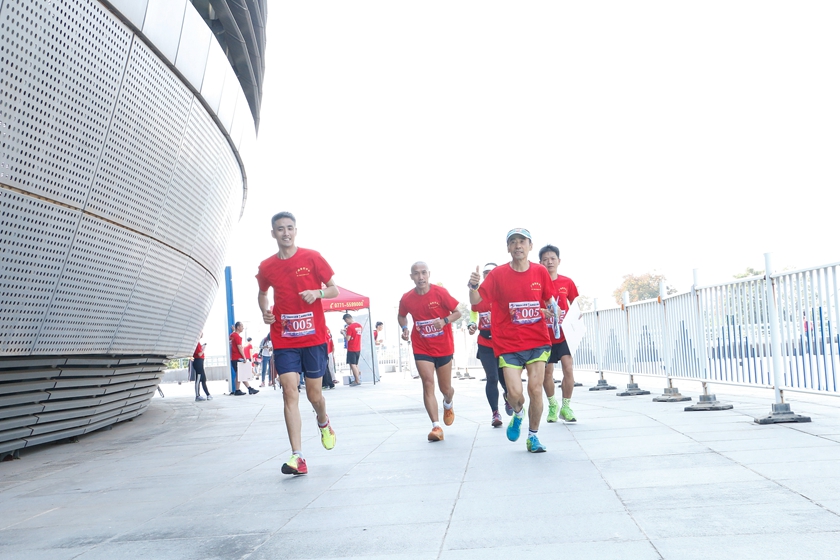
pixel 237 354
pixel 353 336
pixel 265 353
pixel 198 367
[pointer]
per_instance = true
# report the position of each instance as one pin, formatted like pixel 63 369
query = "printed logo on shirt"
pixel 536 286
pixel 525 312
pixel 434 304
pixel 298 324
pixel 303 271
pixel 427 329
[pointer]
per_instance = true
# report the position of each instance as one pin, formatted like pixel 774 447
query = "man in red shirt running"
pixel 565 292
pixel 353 336
pixel 480 320
pixel 432 309
pixel 298 277
pixel 518 293
pixel 237 354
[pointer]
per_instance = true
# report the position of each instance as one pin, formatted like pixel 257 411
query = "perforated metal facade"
pixel 118 188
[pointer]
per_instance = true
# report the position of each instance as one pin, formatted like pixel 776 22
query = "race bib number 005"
pixel 525 312
pixel 427 329
pixel 300 324
pixel 484 321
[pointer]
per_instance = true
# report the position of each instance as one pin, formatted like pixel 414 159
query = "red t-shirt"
pixel 517 299
pixel 235 343
pixel 354 337
pixel 299 324
pixel 434 304
pixel 249 348
pixel 330 345
pixel 565 292
pixel 199 352
pixel 485 334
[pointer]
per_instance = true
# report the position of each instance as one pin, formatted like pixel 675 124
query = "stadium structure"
pixel 125 128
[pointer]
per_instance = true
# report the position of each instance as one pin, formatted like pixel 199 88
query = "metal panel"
pixel 94 290
pixel 162 26
pixel 142 145
pixel 227 104
pixel 194 182
pixel 60 77
pixel 151 299
pixel 190 306
pixel 214 76
pixel 133 10
pixel 35 242
pixel 193 48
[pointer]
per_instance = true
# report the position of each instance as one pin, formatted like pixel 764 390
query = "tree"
pixel 749 271
pixel 585 303
pixel 642 287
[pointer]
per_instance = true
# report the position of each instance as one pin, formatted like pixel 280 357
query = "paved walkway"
pixel 631 480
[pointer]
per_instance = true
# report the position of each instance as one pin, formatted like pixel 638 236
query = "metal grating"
pixel 150 301
pixel 36 237
pixel 217 219
pixel 61 63
pixel 180 331
pixel 143 143
pixel 94 291
pixel 193 182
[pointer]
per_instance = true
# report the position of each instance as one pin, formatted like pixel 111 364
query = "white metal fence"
pixel 725 333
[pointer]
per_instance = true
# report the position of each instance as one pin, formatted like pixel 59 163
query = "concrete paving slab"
pixel 632 478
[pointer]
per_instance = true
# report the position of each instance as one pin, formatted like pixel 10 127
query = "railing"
pixel 727 333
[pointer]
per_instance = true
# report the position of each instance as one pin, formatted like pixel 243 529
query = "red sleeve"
pixel 573 292
pixel 403 312
pixel 547 284
pixel 323 270
pixel 451 302
pixel 262 280
pixel 487 288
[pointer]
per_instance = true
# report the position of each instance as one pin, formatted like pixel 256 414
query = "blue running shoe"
pixel 514 428
pixel 533 444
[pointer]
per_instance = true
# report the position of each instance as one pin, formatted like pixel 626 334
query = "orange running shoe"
pixel 449 416
pixel 436 434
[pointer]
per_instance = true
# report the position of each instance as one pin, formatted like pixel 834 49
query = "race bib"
pixel 300 324
pixel 484 321
pixel 525 312
pixel 427 329
pixel 549 322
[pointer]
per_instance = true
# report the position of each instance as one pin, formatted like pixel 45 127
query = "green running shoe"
pixel 553 407
pixel 567 414
pixel 533 444
pixel 327 437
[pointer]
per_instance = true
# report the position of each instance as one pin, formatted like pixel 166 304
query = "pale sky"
pixel 637 136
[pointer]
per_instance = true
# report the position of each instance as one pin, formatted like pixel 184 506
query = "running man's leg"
pixel 548 382
pixel 568 384
pixel 444 375
pixel 491 371
pixel 427 377
pixel 316 398
pixel 291 413
pixel 513 380
pixel 536 376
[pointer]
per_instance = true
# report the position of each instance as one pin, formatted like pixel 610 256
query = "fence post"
pixel 602 384
pixel 671 393
pixel 707 401
pixel 780 411
pixel 632 387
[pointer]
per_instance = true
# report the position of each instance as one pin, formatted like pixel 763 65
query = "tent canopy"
pixel 346 301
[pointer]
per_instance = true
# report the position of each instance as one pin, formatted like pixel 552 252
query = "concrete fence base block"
pixel 708 402
pixel 671 394
pixel 602 386
pixel 633 391
pixel 782 413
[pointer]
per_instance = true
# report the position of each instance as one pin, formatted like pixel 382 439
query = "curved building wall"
pixel 119 183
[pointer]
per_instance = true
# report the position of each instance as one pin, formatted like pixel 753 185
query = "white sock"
pixel 447 405
pixel 435 424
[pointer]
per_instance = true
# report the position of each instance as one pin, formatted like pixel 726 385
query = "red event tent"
pixel 351 301
pixel 346 301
